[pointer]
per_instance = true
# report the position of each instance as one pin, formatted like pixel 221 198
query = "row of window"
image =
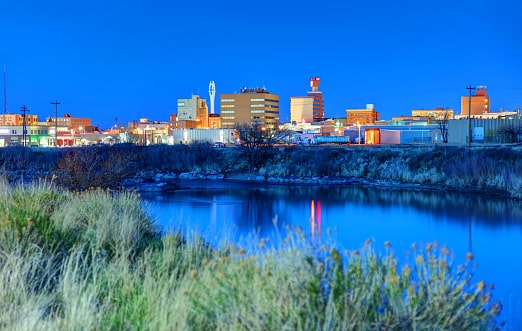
pixel 38 132
pixel 33 132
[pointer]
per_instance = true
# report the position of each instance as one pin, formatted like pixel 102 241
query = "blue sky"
pixel 132 59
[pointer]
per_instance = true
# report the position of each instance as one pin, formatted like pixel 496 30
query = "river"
pixel 489 227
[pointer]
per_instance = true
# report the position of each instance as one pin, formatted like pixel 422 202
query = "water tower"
pixel 212 94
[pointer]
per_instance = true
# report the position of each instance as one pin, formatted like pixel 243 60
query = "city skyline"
pixel 128 60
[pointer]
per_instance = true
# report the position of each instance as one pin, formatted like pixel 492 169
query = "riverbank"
pixel 167 182
pixel 493 170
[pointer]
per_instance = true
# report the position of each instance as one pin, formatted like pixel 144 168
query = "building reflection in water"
pixel 315 217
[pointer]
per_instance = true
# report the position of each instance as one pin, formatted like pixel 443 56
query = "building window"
pixel 228 100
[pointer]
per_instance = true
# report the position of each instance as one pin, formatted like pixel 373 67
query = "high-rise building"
pixel 301 109
pixel 192 113
pixel 253 106
pixel 479 102
pixel 318 111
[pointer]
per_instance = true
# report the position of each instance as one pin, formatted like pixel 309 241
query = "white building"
pixel 301 109
pixel 211 136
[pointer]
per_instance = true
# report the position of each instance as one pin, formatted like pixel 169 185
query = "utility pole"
pixel 55 103
pixel 24 125
pixel 469 114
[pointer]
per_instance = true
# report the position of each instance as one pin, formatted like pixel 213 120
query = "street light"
pixel 359 126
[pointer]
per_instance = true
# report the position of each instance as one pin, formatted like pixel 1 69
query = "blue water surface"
pixel 489 227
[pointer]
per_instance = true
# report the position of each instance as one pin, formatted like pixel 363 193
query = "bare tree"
pixel 509 134
pixel 255 135
pixel 442 121
pixel 258 140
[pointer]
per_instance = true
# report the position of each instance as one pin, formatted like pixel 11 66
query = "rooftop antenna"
pixel 5 95
pixel 212 93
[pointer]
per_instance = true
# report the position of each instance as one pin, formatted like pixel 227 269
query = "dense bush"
pixel 92 167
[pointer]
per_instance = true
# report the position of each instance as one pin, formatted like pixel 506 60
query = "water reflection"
pixel 257 206
pixel 489 227
pixel 315 219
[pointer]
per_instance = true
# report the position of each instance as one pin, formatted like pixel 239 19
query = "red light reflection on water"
pixel 315 217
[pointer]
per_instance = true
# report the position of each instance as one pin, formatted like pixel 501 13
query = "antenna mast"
pixel 5 96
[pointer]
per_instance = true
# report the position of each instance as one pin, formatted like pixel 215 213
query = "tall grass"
pixel 95 261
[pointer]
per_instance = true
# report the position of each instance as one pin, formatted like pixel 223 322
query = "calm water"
pixel 490 228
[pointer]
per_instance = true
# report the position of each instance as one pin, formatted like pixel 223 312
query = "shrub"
pixel 93 167
pixel 297 288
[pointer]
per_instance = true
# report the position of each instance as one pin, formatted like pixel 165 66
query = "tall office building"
pixel 479 102
pixel 302 109
pixel 192 113
pixel 318 111
pixel 253 106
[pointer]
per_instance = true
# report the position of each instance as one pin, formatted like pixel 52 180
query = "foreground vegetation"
pixel 95 261
pixel 488 169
